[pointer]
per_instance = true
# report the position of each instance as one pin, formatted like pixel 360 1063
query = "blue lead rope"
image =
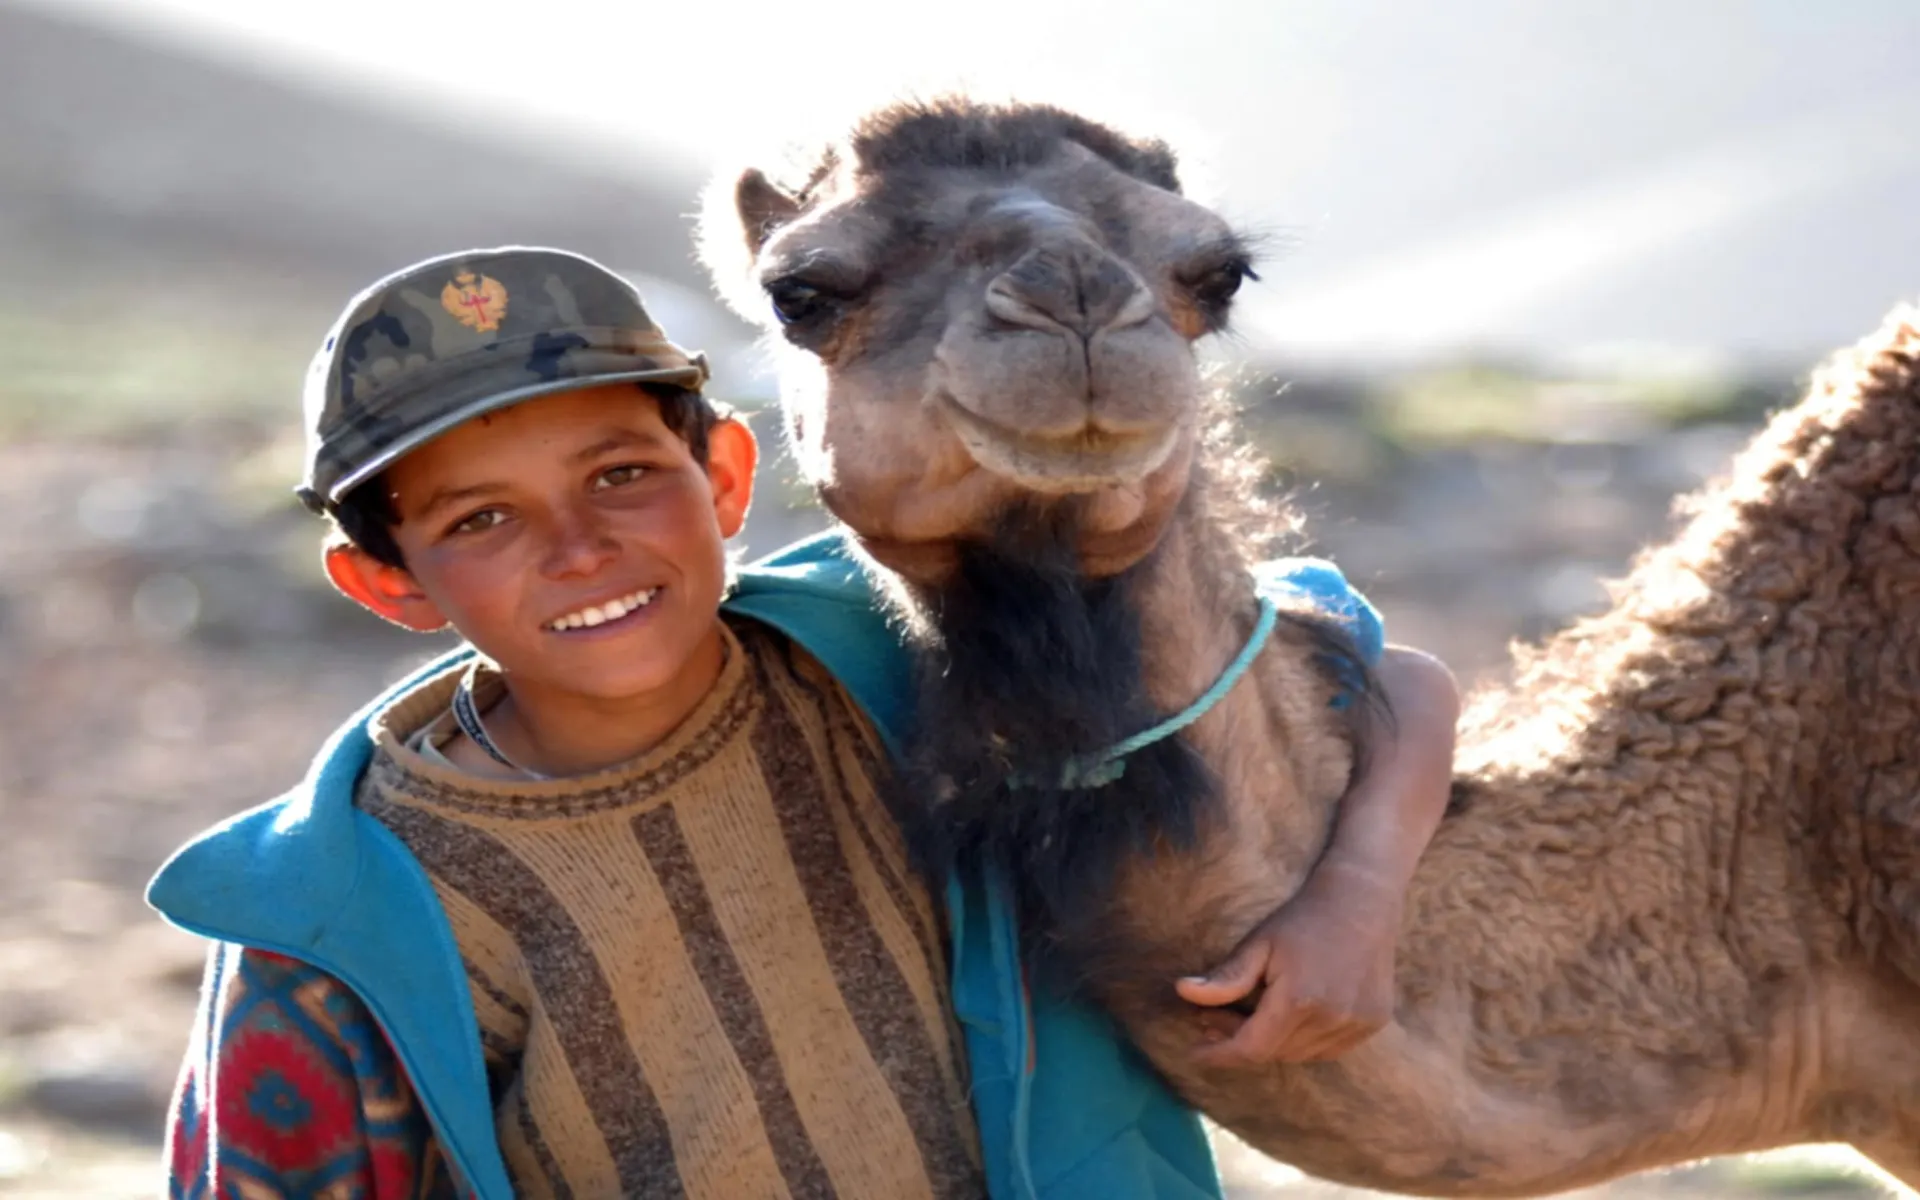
pixel 1103 767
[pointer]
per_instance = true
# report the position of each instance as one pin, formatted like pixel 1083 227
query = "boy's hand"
pixel 1325 958
pixel 1324 964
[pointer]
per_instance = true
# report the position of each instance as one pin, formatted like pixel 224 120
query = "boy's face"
pixel 573 539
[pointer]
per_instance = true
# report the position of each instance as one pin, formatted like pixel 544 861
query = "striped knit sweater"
pixel 708 972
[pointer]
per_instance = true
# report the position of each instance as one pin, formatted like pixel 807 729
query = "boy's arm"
pixel 1326 956
pixel 1387 818
pixel 289 1088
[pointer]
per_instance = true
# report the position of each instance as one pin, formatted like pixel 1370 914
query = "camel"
pixel 1674 909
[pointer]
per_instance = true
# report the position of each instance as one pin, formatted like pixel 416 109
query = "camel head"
pixel 990 307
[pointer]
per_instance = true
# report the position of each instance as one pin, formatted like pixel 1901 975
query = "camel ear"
pixel 763 207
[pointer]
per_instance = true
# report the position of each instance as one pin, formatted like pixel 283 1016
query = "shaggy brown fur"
pixel 1677 910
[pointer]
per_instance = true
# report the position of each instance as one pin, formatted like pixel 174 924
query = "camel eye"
pixel 1215 289
pixel 794 301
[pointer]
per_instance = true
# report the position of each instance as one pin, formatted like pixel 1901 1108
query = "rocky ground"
pixel 168 659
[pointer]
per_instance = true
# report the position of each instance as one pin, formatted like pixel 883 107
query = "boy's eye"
pixel 617 476
pixel 486 518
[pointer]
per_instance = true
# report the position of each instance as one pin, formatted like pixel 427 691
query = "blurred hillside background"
pixel 1541 267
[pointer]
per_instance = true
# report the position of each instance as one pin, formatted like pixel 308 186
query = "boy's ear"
pixel 732 454
pixel 382 590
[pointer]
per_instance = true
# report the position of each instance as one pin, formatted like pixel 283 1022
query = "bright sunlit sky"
pixel 1714 174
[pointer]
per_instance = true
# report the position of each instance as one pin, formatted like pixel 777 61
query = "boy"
pixel 607 904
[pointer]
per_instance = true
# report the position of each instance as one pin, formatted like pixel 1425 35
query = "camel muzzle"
pixel 1076 289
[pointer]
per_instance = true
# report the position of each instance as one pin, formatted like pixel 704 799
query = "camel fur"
pixel 1674 910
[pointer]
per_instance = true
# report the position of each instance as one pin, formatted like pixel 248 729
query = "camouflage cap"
pixel 445 340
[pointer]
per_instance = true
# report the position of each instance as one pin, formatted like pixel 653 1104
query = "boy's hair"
pixel 366 515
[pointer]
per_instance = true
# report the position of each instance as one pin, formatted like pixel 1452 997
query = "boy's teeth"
pixel 612 610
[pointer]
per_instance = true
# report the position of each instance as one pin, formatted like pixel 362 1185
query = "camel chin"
pixel 1091 461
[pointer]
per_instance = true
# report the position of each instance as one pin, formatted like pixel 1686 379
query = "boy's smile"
pixel 577 542
pixel 593 616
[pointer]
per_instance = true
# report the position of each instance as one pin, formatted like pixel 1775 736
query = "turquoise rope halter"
pixel 1103 767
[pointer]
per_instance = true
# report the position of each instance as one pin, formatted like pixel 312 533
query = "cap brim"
pixel 688 377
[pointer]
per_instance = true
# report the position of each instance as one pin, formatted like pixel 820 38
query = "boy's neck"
pixel 559 733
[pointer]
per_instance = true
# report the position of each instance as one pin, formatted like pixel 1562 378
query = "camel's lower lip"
pixel 1084 462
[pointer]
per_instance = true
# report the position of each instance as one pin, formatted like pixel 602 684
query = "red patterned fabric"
pixel 291 1089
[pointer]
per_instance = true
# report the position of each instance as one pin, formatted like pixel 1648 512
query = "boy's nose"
pixel 581 545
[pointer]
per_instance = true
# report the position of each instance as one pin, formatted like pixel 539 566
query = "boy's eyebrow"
pixel 620 439
pixel 444 496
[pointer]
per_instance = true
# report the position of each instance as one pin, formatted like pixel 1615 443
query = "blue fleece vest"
pixel 1066 1107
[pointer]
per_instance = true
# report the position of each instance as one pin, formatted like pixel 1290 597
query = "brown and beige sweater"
pixel 706 973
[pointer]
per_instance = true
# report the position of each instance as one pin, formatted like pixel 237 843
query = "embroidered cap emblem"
pixel 478 302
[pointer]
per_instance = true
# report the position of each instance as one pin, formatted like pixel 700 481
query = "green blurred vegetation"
pixel 1352 429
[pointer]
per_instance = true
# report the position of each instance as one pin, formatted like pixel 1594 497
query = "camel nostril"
pixel 1009 304
pixel 1083 290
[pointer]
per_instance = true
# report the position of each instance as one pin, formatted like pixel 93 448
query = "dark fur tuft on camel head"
pixel 961 134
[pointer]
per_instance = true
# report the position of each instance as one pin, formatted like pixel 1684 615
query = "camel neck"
pixel 1105 766
pixel 1196 604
